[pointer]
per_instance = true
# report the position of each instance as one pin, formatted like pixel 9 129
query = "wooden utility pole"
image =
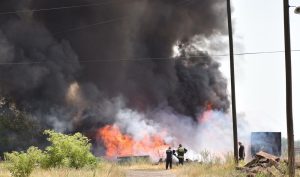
pixel 289 95
pixel 233 105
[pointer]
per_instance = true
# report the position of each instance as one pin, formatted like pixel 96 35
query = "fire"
pixel 209 106
pixel 206 115
pixel 118 144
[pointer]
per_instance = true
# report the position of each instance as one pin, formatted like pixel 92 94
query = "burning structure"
pixel 125 73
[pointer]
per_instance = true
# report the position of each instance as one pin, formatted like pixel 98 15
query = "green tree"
pixel 68 151
pixel 18 129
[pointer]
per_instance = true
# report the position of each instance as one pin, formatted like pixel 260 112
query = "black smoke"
pixel 62 43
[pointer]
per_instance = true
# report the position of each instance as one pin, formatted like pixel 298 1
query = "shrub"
pixel 68 151
pixel 65 151
pixel 23 163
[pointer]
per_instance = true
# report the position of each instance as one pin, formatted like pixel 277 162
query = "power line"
pixel 92 25
pixel 72 7
pixel 103 22
pixel 150 58
pixel 69 7
pixel 78 6
pixel 107 21
pixel 185 2
pixel 265 52
pixel 58 8
pixel 22 63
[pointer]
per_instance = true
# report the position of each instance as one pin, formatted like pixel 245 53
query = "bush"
pixel 22 164
pixel 65 151
pixel 68 151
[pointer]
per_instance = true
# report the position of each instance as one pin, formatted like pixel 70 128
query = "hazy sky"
pixel 260 79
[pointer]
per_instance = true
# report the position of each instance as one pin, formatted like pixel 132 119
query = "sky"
pixel 260 79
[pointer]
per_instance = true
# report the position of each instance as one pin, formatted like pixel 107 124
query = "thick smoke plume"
pixel 79 72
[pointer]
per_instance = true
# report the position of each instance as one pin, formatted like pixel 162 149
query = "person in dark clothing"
pixel 241 151
pixel 180 154
pixel 169 154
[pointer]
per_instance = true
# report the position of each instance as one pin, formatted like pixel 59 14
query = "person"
pixel 180 154
pixel 241 151
pixel 169 154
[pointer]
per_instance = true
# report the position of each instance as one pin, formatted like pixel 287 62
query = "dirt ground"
pixel 149 173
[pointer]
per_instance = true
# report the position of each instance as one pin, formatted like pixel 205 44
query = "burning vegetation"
pixel 118 144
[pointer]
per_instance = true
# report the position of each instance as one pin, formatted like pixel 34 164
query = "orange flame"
pixel 209 106
pixel 206 115
pixel 118 144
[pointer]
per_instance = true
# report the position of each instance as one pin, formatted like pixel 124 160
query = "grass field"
pixel 106 169
pixel 103 170
pixel 196 170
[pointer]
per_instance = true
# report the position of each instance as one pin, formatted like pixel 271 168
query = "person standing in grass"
pixel 241 151
pixel 169 154
pixel 180 154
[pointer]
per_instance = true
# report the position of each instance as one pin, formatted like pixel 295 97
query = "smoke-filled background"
pixel 134 63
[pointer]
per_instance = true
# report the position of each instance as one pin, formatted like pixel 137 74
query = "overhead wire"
pixel 71 7
pixel 58 8
pixel 185 2
pixel 149 59
pixel 108 21
pixel 265 52
pixel 111 21
pixel 92 25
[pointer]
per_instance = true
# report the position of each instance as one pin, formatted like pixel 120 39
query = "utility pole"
pixel 289 95
pixel 233 104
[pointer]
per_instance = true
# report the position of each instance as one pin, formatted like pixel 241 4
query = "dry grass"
pixel 106 169
pixel 225 170
pixel 207 170
pixel 191 169
pixel 212 166
pixel 143 165
pixel 103 170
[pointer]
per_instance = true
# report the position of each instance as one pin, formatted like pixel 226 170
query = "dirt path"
pixel 149 173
